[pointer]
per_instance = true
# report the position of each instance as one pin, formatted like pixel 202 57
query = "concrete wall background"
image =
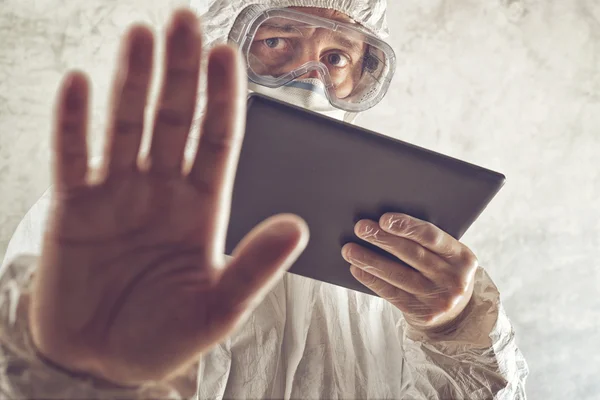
pixel 510 85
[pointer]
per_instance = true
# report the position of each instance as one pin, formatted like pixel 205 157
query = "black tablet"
pixel 333 174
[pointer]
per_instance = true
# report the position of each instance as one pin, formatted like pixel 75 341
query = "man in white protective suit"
pixel 115 284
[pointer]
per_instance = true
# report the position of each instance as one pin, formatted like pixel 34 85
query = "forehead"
pixel 325 13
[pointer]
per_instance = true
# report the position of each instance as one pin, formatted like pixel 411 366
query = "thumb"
pixel 260 260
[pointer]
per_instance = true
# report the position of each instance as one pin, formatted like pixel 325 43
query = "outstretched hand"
pixel 433 282
pixel 132 284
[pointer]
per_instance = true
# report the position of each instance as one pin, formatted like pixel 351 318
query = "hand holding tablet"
pixel 334 174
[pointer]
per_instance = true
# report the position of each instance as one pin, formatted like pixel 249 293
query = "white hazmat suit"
pixel 307 339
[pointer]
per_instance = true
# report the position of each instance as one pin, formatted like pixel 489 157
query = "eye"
pixel 274 43
pixel 370 63
pixel 337 60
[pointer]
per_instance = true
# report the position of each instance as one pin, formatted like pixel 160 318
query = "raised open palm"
pixel 132 284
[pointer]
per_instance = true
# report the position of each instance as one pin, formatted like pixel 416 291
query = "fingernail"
pixel 367 229
pixel 354 256
pixel 392 221
pixel 357 272
pixel 182 36
pixel 287 231
pixel 73 98
pixel 346 252
pixel 360 227
pixel 283 230
pixel 140 56
pixel 387 220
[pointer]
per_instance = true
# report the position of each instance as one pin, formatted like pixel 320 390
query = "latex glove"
pixel 433 284
pixel 132 284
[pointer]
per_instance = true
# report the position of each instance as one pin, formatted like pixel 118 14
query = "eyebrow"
pixel 347 44
pixel 350 45
pixel 279 28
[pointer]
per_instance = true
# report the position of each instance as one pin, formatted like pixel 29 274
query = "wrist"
pixel 27 374
pixel 63 362
pixel 96 381
pixel 446 328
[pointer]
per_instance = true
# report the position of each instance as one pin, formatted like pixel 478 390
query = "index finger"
pixel 424 233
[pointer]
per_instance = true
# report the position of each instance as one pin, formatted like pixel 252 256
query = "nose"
pixel 310 53
pixel 310 75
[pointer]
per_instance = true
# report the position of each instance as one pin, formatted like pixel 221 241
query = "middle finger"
pixel 428 263
pixel 394 273
pixel 177 102
pixel 129 98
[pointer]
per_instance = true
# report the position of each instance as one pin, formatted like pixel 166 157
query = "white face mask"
pixel 305 93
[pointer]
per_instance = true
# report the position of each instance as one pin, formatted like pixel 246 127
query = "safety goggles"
pixel 280 45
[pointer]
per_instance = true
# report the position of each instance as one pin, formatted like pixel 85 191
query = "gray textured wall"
pixel 511 85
